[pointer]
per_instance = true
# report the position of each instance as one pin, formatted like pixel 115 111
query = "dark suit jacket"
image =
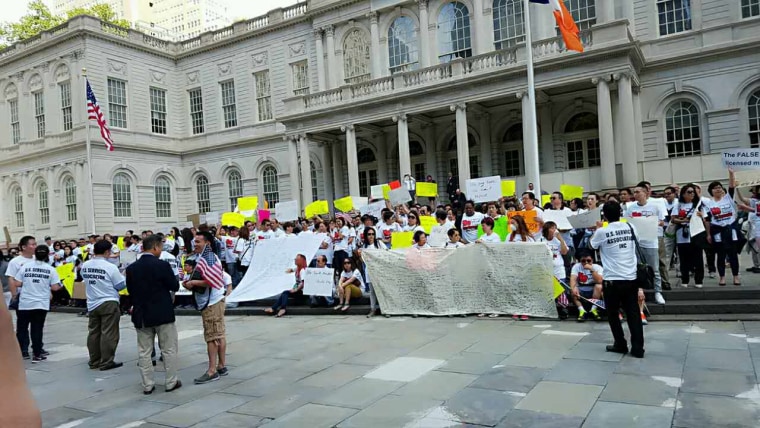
pixel 149 282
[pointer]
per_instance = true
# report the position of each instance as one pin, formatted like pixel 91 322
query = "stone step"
pixel 705 307
pixel 729 292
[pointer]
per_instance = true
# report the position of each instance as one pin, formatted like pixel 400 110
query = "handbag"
pixel 644 272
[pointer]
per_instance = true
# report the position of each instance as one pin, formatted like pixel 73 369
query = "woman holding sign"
pixel 689 252
pixel 297 290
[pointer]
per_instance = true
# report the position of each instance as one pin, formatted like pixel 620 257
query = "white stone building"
pixel 326 98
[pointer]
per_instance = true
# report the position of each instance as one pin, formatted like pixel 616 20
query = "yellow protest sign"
pixel 344 204
pixel 545 199
pixel 427 189
pixel 530 219
pixel 558 288
pixel 316 208
pixel 233 219
pixel 67 276
pixel 386 191
pixel 508 188
pixel 120 244
pixel 248 203
pixel 427 222
pixel 401 240
pixel 571 192
pixel 124 292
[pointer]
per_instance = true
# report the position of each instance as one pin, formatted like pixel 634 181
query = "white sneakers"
pixel 698 285
pixel 659 299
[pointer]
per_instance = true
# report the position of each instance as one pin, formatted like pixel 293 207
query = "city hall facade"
pixel 325 98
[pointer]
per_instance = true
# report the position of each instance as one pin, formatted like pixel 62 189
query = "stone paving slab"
pixel 697 410
pixel 561 398
pixel 620 415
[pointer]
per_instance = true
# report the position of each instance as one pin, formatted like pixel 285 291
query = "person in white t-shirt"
pixel 518 230
pixel 470 222
pixel 37 279
pixel 350 285
pixel 420 240
pixel 556 244
pixel 489 236
pixel 386 228
pixel 586 279
pixel 27 247
pixel 412 223
pixel 326 247
pixel 339 234
pixel 643 207
pixel 455 239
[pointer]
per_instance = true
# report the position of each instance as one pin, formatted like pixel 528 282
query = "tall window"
pixel 508 23
pixel 271 186
pixel 512 163
pixel 196 110
pixel 203 194
pixel 39 113
pixel 70 191
pixel 15 125
pixel 235 183
pixel 158 111
pixel 682 130
pixel 117 103
pixel 122 196
pixel 18 207
pixel 419 172
pixel 575 155
pixel 403 53
pixel 314 184
pixel 674 16
pixel 229 110
pixel 263 95
pixel 42 199
pixel 454 39
pixel 750 8
pixel 584 13
pixel 300 71
pixel 66 105
pixel 356 57
pixel 754 119
pixel 163 193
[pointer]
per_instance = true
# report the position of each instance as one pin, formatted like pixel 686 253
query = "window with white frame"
pixel 235 184
pixel 158 111
pixel 300 71
pixel 163 194
pixel 403 51
pixel 314 183
pixel 65 89
pixel 203 196
pixel 750 8
pixel 122 196
pixel 682 130
pixel 454 39
pixel 70 193
pixel 196 111
pixel 39 113
pixel 229 109
pixel 356 57
pixel 512 159
pixel 18 207
pixel 575 155
pixel 263 95
pixel 117 103
pixel 753 110
pixel 15 125
pixel 508 23
pixel 42 200
pixel 271 186
pixel 674 16
pixel 584 13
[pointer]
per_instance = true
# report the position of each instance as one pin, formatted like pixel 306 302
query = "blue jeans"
pixel 652 258
pixel 233 271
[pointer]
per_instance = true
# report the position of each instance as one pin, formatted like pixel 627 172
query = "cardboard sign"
pixel 571 192
pixel 67 276
pixel 196 219
pixel 741 159
pixel 318 282
pixel 559 218
pixel 344 204
pixel 7 235
pixel 233 219
pixel 427 189
pixel 376 192
pixel 358 202
pixel 80 291
pixel 399 197
pixel 401 240
pixel 484 189
pixel 264 214
pixel 508 188
pixel 427 222
pixel 586 220
pixel 288 211
pixel 247 206
pixel 530 219
pixel 213 217
pixel 316 208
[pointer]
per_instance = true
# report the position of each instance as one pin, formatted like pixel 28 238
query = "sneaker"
pixel 222 371
pixel 45 353
pixel 595 314
pixel 712 275
pixel 524 318
pixel 698 285
pixel 659 299
pixel 25 355
pixel 206 378
pixel 685 284
pixel 38 359
pixel 644 319
pixel 581 315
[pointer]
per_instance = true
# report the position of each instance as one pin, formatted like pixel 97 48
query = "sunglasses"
pixel 587 261
pixel 690 192
pixel 346 263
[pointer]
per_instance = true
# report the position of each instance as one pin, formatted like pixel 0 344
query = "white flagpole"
pixel 91 205
pixel 533 172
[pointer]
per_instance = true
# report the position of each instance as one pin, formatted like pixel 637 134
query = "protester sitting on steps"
pixel 350 285
pixel 586 281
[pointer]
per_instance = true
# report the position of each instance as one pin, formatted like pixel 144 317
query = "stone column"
pixel 375 57
pixel 293 169
pixel 4 219
pixel 56 214
pixel 425 48
pixel 320 59
pixel 547 136
pixel 486 161
pixel 332 67
pixel 381 140
pixel 628 13
pixel 625 121
pixel 542 21
pixel 337 164
pixel 481 40
pixel 530 153
pixel 327 169
pixel 463 146
pixel 306 192
pixel 27 196
pixel 82 197
pixel 404 160
pixel 430 151
pixel 352 160
pixel 638 130
pixel 606 132
pixel 605 11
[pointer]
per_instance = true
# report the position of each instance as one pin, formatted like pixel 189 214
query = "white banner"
pixel 287 211
pixel 484 189
pixel 399 196
pixel 483 278
pixel 741 159
pixel 319 282
pixel 267 274
pixel 559 218
pixel 586 220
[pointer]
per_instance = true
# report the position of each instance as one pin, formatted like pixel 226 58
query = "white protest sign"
pixel 747 178
pixel 287 211
pixel 318 282
pixel 696 224
pixel 646 227
pixel 127 257
pixel 376 192
pixel 484 189
pixel 559 218
pixel 399 196
pixel 189 225
pixel 213 218
pixel 741 159
pixel 374 209
pixel 585 220
pixel 358 201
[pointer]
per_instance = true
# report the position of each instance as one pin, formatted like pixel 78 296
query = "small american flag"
pixel 598 303
pixel 563 301
pixel 210 268
pixel 94 113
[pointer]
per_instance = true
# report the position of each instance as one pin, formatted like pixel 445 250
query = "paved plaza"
pixel 402 372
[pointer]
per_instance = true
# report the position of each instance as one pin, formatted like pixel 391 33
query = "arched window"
pixel 584 13
pixel 271 186
pixel 753 107
pixel 356 57
pixel 582 141
pixel 122 196
pixel 70 190
pixel 18 207
pixel 202 194
pixel 314 185
pixel 163 193
pixel 674 16
pixel 582 122
pixel 403 53
pixel 682 130
pixel 235 183
pixel 366 156
pixel 42 201
pixel 508 23
pixel 454 39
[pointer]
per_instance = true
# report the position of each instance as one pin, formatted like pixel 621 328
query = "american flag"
pixel 210 268
pixel 94 113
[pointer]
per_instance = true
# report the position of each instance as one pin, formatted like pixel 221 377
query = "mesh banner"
pixel 481 278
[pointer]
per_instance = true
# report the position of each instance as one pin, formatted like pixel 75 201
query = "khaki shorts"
pixel 356 292
pixel 213 322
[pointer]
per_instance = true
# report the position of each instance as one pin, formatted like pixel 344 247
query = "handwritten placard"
pixel 585 220
pixel 484 189
pixel 318 282
pixel 427 189
pixel 530 219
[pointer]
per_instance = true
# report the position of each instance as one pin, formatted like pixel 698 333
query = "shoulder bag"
pixel 644 272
